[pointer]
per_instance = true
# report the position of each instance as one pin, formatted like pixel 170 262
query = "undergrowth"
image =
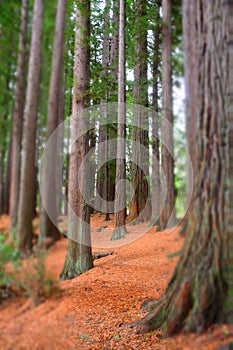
pixel 37 284
pixel 25 276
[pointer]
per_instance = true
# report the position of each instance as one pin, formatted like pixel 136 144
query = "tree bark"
pixel 140 209
pixel 48 226
pixel 119 217
pixel 228 261
pixel 79 253
pixel 168 193
pixel 195 295
pixel 6 194
pixel 191 80
pixel 17 116
pixel 102 181
pixel 26 196
pixel 155 197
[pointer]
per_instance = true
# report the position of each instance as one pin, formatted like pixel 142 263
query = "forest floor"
pixel 94 309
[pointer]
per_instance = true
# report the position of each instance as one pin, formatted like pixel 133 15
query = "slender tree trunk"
pixel 79 253
pixel 8 179
pixel 102 156
pixel 140 209
pixel 114 53
pixel 155 198
pixel 119 218
pixel 105 64
pixel 113 97
pixel 48 226
pixel 191 80
pixel 194 297
pixel 168 193
pixel 26 196
pixel 17 117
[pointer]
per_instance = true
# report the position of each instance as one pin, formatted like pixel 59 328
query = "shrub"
pixel 35 281
pixel 8 253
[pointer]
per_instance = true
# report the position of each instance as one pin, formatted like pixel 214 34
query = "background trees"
pixel 198 293
pixel 143 66
pixel 124 52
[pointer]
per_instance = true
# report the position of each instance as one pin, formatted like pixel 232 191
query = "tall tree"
pixel 48 183
pixel 119 210
pixel 107 174
pixel 200 290
pixel 191 79
pixel 9 29
pixel 139 207
pixel 102 179
pixel 79 253
pixel 17 116
pixel 27 175
pixel 155 196
pixel 167 161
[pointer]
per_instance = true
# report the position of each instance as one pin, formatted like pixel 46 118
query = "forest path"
pixel 93 308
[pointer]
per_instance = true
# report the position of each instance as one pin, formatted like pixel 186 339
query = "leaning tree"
pixel 200 291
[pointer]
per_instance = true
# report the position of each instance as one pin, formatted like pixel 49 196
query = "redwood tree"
pixel 27 175
pixel 167 181
pixel 17 116
pixel 79 253
pixel 155 193
pixel 140 159
pixel 200 290
pixel 119 217
pixel 48 185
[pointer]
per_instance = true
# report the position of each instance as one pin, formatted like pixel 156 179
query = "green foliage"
pixel 35 281
pixel 8 253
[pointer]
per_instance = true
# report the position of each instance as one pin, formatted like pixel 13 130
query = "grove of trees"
pixel 108 70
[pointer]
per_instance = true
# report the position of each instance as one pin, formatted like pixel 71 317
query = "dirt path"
pixel 94 307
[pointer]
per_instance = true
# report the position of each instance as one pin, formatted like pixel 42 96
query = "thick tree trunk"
pixel 119 217
pixel 17 117
pixel 155 197
pixel 26 197
pixel 228 302
pixel 167 181
pixel 194 298
pixel 48 226
pixel 79 253
pixel 140 209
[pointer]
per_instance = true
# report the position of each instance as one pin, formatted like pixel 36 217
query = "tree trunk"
pixel 155 198
pixel 7 181
pixel 119 217
pixel 48 227
pixel 194 298
pixel 79 253
pixel 140 209
pixel 168 193
pixel 228 302
pixel 114 53
pixel 26 196
pixel 102 156
pixel 17 117
pixel 191 80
